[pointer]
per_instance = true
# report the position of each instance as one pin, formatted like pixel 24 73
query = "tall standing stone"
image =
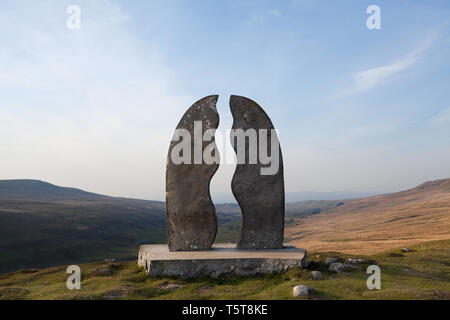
pixel 191 215
pixel 261 197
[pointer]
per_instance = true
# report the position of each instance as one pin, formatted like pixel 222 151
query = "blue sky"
pixel 95 108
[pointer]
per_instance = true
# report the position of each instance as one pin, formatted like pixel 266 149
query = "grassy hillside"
pixel 43 225
pixel 378 223
pixel 423 273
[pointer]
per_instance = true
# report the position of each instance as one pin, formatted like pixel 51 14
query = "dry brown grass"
pixel 379 223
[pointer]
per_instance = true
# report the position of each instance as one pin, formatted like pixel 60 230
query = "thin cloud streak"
pixel 369 79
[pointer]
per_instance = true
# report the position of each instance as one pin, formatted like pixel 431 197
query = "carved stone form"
pixel 261 197
pixel 191 215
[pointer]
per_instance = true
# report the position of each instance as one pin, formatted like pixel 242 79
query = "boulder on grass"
pixel 301 291
pixel 354 261
pixel 342 267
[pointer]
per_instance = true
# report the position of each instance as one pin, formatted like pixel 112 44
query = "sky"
pixel 95 108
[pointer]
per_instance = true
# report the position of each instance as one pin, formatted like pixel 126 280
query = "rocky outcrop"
pixel 316 275
pixel 329 261
pixel 342 267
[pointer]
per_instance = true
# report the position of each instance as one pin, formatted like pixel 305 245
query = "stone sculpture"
pixel 261 197
pixel 257 185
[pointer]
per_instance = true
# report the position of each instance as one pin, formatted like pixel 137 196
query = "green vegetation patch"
pixel 423 273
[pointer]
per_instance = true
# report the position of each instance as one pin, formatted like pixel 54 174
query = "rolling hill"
pixel 44 225
pixel 374 224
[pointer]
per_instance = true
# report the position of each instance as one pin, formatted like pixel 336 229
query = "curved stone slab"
pixel 191 215
pixel 261 197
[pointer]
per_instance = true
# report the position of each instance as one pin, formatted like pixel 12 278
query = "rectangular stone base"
pixel 222 259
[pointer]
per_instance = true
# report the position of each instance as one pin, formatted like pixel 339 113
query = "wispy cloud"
pixel 368 79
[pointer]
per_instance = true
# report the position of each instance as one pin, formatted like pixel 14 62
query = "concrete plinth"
pixel 222 259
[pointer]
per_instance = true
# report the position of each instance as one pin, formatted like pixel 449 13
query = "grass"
pixel 423 273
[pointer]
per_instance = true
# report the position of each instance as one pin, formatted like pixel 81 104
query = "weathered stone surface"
pixel 355 260
pixel 261 197
pixel 301 290
pixel 222 259
pixel 329 261
pixel 342 267
pixel 191 217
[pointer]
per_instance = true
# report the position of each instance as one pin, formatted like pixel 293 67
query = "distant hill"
pixel 378 223
pixel 45 225
pixel 43 191
pixel 292 197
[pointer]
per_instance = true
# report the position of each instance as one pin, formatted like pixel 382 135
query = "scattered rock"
pixel 354 260
pixel 301 290
pixel 316 275
pixel 329 261
pixel 342 267
pixel 337 267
